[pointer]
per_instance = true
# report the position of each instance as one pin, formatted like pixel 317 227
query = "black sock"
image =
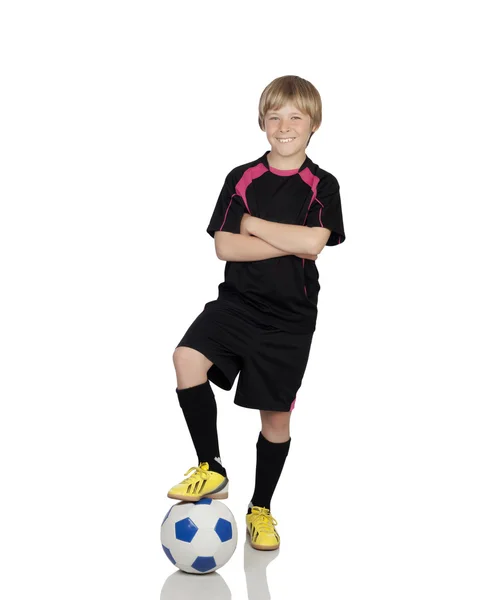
pixel 270 459
pixel 200 411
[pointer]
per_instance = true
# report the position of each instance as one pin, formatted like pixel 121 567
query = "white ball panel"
pixel 167 533
pixel 206 542
pixel 183 552
pixel 179 511
pixel 222 511
pixel 204 516
pixel 225 551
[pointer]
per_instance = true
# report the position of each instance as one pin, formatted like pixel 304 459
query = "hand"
pixel 244 224
pixel 307 256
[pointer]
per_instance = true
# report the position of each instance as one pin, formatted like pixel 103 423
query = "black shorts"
pixel 271 362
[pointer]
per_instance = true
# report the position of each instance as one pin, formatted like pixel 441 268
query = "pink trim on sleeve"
pixel 322 206
pixel 225 216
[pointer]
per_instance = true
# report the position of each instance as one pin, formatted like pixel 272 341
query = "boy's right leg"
pixel 197 401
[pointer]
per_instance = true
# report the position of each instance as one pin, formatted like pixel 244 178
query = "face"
pixel 285 123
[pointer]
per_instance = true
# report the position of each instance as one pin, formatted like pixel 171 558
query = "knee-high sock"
pixel 270 459
pixel 200 412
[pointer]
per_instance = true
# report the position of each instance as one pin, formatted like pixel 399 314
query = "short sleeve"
pixel 326 210
pixel 228 211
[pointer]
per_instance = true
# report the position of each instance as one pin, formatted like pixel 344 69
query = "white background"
pixel 119 123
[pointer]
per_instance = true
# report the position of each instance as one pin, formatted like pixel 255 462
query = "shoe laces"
pixel 263 519
pixel 199 473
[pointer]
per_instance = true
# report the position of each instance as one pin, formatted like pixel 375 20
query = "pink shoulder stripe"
pixel 242 185
pixel 246 179
pixel 312 181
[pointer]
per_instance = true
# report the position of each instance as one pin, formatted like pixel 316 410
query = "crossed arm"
pixel 261 239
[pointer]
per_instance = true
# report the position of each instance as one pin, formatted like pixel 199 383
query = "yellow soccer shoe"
pixel 261 529
pixel 202 483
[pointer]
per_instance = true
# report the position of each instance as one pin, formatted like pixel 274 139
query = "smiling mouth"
pixel 285 140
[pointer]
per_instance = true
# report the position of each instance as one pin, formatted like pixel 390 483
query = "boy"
pixel 272 218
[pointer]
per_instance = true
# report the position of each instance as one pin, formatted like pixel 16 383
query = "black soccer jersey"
pixel 282 291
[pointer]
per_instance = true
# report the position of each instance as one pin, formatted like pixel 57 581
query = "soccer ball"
pixel 199 537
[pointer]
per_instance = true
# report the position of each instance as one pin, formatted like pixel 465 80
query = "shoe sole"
pixel 220 493
pixel 257 546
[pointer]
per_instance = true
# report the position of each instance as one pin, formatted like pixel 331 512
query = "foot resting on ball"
pixel 202 483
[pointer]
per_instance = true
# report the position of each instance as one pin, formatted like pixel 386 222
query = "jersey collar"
pixel 283 172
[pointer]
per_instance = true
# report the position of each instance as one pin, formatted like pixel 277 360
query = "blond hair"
pixel 291 89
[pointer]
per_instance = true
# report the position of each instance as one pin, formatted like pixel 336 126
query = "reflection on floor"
pixel 211 586
pixel 255 565
pixel 182 586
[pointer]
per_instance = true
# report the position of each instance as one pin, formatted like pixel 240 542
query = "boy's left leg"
pixel 272 448
pixel 271 451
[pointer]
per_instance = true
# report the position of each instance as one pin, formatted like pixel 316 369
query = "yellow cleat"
pixel 201 484
pixel 261 529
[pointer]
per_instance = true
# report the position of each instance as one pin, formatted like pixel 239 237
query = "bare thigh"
pixel 191 367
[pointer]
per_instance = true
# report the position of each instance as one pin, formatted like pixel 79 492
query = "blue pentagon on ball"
pixel 204 563
pixel 224 530
pixel 185 530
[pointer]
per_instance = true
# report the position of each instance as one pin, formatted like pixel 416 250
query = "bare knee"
pixel 191 367
pixel 275 425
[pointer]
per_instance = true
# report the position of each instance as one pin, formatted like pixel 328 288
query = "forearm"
pixel 249 248
pixel 293 239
